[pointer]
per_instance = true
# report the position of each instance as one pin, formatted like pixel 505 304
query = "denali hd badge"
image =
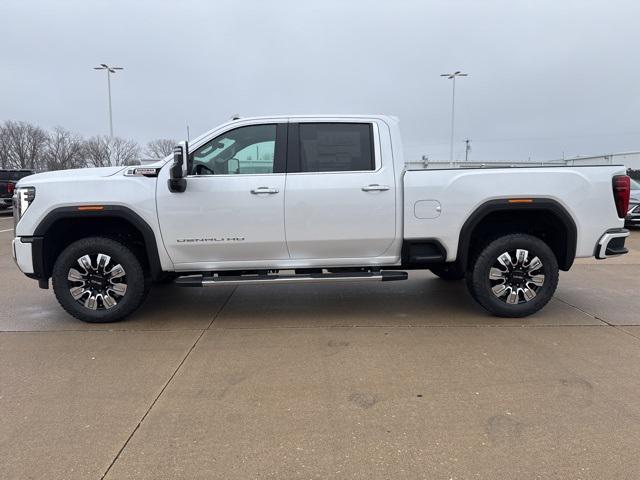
pixel 142 172
pixel 210 240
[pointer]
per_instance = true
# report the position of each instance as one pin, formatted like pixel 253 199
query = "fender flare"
pixel 535 204
pixel 107 211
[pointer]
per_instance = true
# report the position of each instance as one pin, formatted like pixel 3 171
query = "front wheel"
pixel 514 276
pixel 98 280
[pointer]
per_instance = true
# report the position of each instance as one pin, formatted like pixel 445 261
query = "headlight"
pixel 22 198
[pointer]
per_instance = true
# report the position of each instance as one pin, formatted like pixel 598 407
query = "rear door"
pixel 340 195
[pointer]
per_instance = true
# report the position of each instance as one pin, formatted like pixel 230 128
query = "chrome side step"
pixel 213 280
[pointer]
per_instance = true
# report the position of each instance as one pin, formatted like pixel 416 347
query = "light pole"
pixel 452 76
pixel 110 70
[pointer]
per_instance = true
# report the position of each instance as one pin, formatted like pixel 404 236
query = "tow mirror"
pixel 177 182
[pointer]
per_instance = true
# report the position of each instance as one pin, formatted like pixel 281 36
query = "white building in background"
pixel 628 159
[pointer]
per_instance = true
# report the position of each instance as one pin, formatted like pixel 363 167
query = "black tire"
pixel 480 284
pixel 136 285
pixel 450 272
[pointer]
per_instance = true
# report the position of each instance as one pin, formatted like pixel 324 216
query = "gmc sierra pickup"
pixel 310 199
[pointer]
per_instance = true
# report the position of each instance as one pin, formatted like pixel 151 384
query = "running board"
pixel 213 280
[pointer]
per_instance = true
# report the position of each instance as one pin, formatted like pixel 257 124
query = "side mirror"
pixel 233 166
pixel 177 182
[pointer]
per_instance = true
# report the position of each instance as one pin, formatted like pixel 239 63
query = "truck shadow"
pixel 423 300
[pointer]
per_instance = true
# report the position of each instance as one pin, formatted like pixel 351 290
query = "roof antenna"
pixel 236 117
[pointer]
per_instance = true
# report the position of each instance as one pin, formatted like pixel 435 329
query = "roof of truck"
pixel 236 118
pixel 318 115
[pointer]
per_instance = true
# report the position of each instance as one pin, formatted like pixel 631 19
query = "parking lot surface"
pixel 401 380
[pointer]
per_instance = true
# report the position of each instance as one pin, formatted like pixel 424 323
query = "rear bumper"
pixel 611 244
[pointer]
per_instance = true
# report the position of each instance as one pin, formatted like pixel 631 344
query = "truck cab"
pixel 318 174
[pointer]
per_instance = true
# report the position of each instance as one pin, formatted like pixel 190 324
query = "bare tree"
pixel 64 150
pixel 4 148
pixel 159 148
pixel 103 151
pixel 23 145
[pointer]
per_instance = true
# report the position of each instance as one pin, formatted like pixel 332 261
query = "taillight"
pixel 10 188
pixel 621 192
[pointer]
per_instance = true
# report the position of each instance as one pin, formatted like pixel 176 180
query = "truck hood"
pixel 71 174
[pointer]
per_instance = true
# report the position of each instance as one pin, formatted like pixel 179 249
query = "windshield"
pixel 635 185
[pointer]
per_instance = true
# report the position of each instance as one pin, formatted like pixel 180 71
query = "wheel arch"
pixel 63 225
pixel 542 217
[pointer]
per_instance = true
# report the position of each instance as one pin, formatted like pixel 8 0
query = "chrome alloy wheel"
pixel 516 279
pixel 98 284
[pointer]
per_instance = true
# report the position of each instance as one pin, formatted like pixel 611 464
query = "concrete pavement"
pixel 405 380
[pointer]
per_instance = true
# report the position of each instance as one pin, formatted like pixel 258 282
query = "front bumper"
pixel 28 253
pixel 23 255
pixel 6 202
pixel 611 244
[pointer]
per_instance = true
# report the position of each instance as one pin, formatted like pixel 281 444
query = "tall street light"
pixel 452 76
pixel 110 70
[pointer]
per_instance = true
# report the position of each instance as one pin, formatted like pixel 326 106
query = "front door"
pixel 233 208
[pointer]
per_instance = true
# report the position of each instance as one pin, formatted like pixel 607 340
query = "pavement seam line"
pixel 617 327
pixel 492 325
pixel 435 325
pixel 628 333
pixel 155 400
pixel 119 330
pixel 222 307
pixel 585 312
pixel 115 459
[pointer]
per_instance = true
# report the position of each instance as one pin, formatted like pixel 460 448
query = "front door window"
pixel 244 150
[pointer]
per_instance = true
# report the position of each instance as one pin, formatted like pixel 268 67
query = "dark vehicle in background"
pixel 8 180
pixel 633 214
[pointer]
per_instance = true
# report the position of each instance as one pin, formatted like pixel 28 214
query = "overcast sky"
pixel 546 76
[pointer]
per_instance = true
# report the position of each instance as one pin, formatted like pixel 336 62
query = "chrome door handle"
pixel 376 188
pixel 261 190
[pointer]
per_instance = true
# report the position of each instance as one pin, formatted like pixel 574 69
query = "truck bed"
pixel 440 201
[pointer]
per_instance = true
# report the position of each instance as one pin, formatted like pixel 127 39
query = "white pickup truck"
pixel 310 199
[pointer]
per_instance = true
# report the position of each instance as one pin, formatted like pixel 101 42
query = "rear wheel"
pixel 514 276
pixel 99 280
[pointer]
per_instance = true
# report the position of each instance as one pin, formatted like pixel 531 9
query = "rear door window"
pixel 336 147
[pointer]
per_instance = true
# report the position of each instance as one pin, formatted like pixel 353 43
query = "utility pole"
pixel 467 149
pixel 110 70
pixel 452 76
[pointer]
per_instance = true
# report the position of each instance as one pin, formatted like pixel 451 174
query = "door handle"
pixel 261 190
pixel 376 188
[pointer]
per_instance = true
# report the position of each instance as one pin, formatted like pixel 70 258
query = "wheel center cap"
pixel 96 281
pixel 518 275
